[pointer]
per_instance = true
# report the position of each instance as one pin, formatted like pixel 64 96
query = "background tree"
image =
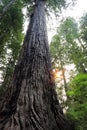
pixel 83 31
pixel 71 44
pixel 59 59
pixel 71 39
pixel 69 31
pixel 77 87
pixel 11 36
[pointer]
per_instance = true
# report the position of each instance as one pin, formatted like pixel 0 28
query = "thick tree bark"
pixel 31 102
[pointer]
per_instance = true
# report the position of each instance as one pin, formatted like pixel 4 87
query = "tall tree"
pixel 59 59
pixel 9 62
pixel 59 56
pixel 31 102
pixel 83 37
pixel 69 32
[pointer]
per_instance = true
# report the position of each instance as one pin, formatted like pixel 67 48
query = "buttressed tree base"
pixel 31 101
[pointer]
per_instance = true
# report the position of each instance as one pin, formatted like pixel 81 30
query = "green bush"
pixel 77 101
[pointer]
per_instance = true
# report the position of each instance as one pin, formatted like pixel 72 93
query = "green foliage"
pixel 11 36
pixel 69 29
pixel 70 45
pixel 55 4
pixel 70 38
pixel 83 23
pixel 83 36
pixel 58 51
pixel 10 25
pixel 78 97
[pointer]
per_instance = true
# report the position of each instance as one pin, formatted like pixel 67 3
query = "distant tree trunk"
pixel 31 102
pixel 7 77
pixel 63 73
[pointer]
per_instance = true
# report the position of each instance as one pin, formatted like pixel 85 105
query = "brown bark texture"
pixel 31 101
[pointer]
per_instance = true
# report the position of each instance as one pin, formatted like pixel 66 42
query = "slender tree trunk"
pixel 63 74
pixel 31 102
pixel 7 78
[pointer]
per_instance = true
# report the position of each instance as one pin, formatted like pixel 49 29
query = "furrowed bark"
pixel 31 102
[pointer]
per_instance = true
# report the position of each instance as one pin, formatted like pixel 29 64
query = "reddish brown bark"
pixel 31 102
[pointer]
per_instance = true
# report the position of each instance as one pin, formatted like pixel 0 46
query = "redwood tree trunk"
pixel 31 102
